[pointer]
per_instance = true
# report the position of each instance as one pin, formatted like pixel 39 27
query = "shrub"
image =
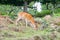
pixel 43 13
pixel 57 10
pixel 57 14
pixel 31 4
pixel 9 10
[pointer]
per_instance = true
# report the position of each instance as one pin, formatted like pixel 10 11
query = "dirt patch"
pixel 5 21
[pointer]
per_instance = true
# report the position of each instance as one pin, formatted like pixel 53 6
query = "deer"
pixel 28 19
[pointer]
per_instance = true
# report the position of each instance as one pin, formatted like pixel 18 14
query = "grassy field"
pixel 13 32
pixel 20 32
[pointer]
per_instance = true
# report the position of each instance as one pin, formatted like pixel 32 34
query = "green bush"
pixel 9 10
pixel 31 4
pixel 57 10
pixel 40 14
pixel 43 13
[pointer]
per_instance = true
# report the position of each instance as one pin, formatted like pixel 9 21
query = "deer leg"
pixel 26 22
pixel 17 20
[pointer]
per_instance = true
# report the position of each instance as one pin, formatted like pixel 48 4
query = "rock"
pixel 47 17
pixel 57 21
pixel 52 35
pixel 36 37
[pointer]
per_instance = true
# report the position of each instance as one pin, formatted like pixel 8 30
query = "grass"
pixel 25 33
pixel 28 32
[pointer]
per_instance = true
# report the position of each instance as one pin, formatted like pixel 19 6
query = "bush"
pixel 9 10
pixel 43 13
pixel 57 10
pixel 31 4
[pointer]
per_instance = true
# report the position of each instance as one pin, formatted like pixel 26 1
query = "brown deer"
pixel 28 19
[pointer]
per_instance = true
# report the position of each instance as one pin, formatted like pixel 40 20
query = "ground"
pixel 9 31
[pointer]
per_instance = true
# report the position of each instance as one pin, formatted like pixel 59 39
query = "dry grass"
pixel 9 31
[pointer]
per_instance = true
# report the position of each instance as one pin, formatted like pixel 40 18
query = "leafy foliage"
pixel 57 10
pixel 9 10
pixel 43 13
